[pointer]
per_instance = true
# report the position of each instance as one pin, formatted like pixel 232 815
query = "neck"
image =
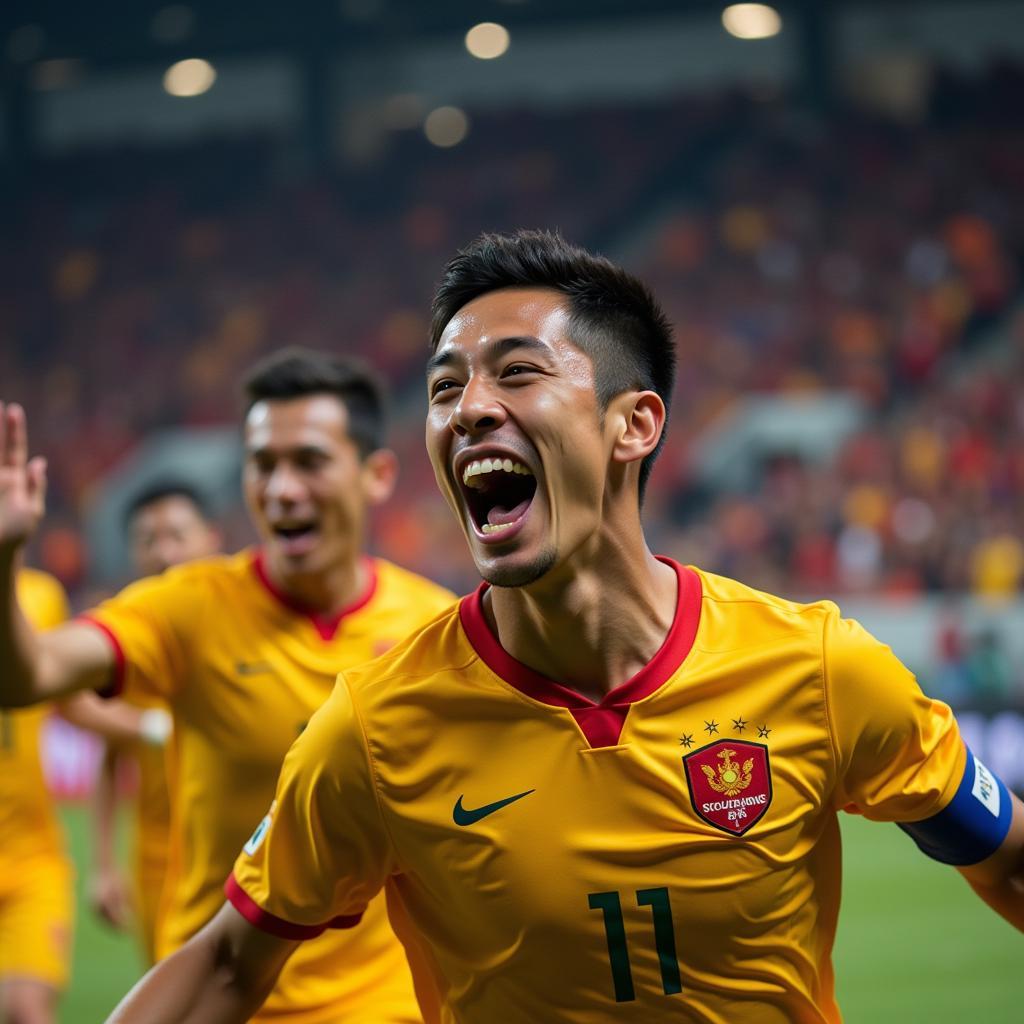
pixel 589 626
pixel 326 592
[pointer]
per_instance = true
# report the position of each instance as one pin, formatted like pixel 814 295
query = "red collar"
pixel 601 721
pixel 326 625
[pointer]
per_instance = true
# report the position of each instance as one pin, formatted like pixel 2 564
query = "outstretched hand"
pixel 22 480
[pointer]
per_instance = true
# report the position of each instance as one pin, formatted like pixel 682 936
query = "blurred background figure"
pixel 826 197
pixel 166 524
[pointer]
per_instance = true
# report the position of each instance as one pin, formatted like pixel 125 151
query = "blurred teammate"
pixel 36 904
pixel 604 787
pixel 245 649
pixel 166 524
pixel 36 901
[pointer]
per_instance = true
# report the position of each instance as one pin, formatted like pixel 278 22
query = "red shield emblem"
pixel 730 784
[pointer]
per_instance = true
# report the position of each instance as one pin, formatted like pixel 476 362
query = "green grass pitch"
pixel 915 944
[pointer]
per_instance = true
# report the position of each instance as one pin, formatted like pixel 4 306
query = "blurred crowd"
pixel 795 254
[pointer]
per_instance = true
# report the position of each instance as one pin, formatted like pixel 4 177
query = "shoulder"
pixel 438 648
pixel 42 597
pixel 742 613
pixel 398 584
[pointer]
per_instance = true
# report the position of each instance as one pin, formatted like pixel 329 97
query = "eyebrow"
pixel 495 349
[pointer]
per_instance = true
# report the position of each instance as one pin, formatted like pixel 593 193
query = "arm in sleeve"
pixel 901 758
pixel 899 753
pixel 323 850
pixel 147 627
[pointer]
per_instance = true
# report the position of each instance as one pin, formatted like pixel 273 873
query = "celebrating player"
pixel 244 649
pixel 604 786
pixel 167 523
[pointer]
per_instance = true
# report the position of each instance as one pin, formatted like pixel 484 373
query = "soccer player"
pixel 36 904
pixel 244 649
pixel 36 907
pixel 603 787
pixel 167 523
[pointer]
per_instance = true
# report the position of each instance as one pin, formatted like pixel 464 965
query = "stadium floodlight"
pixel 446 126
pixel 487 40
pixel 190 77
pixel 752 21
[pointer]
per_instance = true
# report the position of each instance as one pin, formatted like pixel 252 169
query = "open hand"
pixel 22 480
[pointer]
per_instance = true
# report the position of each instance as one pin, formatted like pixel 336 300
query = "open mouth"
pixel 498 492
pixel 296 538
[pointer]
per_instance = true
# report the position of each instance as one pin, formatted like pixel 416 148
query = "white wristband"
pixel 155 726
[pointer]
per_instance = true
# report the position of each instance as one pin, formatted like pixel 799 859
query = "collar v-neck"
pixel 326 625
pixel 600 721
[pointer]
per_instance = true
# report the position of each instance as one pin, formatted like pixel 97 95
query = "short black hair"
pixel 614 318
pixel 159 491
pixel 296 372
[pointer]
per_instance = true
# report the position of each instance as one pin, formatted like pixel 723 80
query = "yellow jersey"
pixel 242 671
pixel 670 853
pixel 28 824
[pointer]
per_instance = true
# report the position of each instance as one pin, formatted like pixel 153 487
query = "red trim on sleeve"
pixel 601 722
pixel 116 685
pixel 326 625
pixel 272 925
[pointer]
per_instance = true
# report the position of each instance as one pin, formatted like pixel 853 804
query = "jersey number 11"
pixel 610 905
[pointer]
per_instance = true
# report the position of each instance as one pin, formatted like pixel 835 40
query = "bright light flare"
pixel 446 126
pixel 487 40
pixel 751 21
pixel 190 77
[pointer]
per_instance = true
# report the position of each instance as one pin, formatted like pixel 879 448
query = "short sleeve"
pixel 322 851
pixel 148 624
pixel 900 756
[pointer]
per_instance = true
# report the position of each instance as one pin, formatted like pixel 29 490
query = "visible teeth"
pixel 480 467
pixel 495 527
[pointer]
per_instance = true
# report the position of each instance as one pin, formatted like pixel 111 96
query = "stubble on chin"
pixel 521 575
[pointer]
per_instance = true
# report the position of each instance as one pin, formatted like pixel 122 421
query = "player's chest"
pixel 725 783
pixel 259 686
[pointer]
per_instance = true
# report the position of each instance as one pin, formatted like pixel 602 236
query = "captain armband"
pixel 972 825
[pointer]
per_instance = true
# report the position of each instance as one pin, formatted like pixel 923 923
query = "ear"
pixel 639 419
pixel 380 472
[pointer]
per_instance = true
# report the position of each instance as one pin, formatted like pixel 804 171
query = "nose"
pixel 284 484
pixel 478 409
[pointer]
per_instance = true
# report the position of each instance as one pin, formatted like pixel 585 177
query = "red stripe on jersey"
pixel 116 685
pixel 325 625
pixel 601 722
pixel 267 922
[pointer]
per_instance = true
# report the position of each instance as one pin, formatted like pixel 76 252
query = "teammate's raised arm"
pixel 72 657
pixel 221 975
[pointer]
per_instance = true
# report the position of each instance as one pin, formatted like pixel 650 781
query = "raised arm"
pixel 72 657
pixel 221 975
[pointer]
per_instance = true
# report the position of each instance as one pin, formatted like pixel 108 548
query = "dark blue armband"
pixel 972 825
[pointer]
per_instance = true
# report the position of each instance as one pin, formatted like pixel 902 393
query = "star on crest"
pixel 686 740
pixel 739 724
pixel 711 727
pixel 762 731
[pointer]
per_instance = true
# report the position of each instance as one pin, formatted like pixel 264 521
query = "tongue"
pixel 499 516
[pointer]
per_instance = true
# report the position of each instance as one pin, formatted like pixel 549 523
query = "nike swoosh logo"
pixel 470 816
pixel 252 668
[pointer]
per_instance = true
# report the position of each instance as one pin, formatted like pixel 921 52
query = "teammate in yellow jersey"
pixel 36 906
pixel 166 523
pixel 604 787
pixel 36 910
pixel 244 649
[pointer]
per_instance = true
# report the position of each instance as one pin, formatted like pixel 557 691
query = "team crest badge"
pixel 730 784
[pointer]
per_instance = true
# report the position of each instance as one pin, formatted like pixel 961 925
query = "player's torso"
pixel 256 679
pixel 687 873
pixel 28 825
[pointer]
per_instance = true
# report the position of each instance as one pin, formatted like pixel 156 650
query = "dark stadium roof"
pixel 118 32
